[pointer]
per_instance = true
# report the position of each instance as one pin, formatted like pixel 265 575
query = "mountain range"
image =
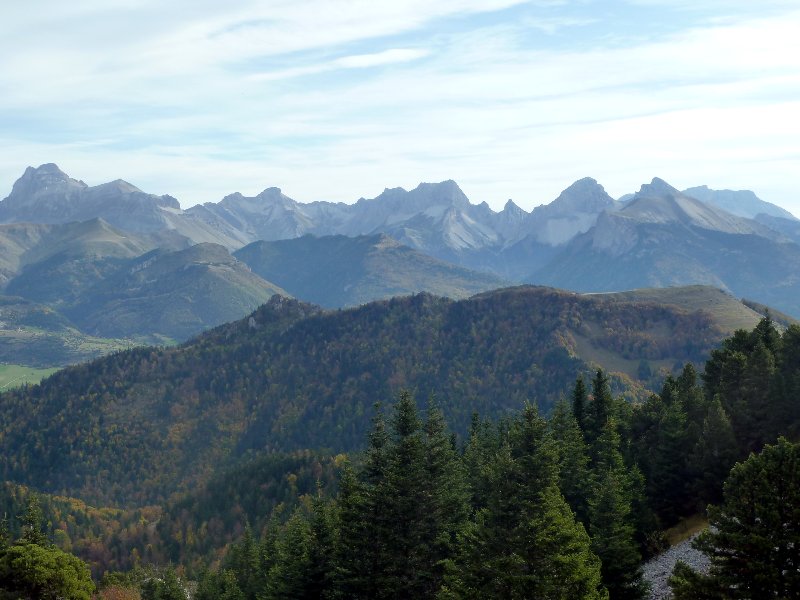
pixel 117 262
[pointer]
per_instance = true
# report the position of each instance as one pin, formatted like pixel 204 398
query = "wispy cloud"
pixel 337 100
pixel 356 61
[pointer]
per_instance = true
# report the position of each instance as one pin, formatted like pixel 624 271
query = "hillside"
pixel 114 284
pixel 663 238
pixel 729 313
pixel 140 425
pixel 337 271
pixel 35 335
pixel 175 294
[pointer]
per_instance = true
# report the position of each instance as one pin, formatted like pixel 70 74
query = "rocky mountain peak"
pixel 585 195
pixel 444 192
pixel 512 208
pixel 43 179
pixel 657 188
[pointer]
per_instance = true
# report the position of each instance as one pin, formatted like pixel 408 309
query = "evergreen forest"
pixel 560 502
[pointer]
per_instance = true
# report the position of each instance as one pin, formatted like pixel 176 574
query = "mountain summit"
pixel 48 195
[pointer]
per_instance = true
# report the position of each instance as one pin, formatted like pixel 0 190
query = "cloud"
pixel 337 100
pixel 357 61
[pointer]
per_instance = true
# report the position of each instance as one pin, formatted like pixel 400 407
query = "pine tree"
pixel 572 458
pixel 321 551
pixel 754 537
pixel 579 401
pixel 445 500
pixel 244 560
pixel 165 586
pixel 404 490
pixel 32 523
pixel 668 470
pixel 482 444
pixel 610 520
pixel 563 565
pixel 757 383
pixel 288 577
pixel 354 558
pixel 600 409
pixel 526 542
pixel 714 454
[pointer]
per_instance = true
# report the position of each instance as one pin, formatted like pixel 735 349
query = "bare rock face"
pixel 48 195
pixel 574 212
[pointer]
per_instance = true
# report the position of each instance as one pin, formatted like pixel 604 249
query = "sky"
pixel 339 99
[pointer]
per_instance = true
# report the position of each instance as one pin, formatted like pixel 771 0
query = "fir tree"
pixel 610 520
pixel 356 551
pixel 572 458
pixel 600 410
pixel 32 523
pixel 714 454
pixel 579 401
pixel 445 500
pixel 288 578
pixel 526 542
pixel 320 577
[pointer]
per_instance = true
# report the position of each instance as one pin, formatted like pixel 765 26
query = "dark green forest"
pixel 560 499
pixel 140 426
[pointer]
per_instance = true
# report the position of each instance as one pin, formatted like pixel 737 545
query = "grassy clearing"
pixel 12 376
pixel 685 529
pixel 729 312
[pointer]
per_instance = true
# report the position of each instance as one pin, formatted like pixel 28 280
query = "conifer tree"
pixel 787 409
pixel 363 553
pixel 32 523
pixel 572 458
pixel 714 454
pixel 754 538
pixel 404 489
pixel 164 586
pixel 600 409
pixel 5 533
pixel 288 578
pixel 526 542
pixel 579 401
pixel 482 445
pixel 445 499
pixel 244 559
pixel 668 483
pixel 610 520
pixel 354 558
pixel 320 576
pixel 757 382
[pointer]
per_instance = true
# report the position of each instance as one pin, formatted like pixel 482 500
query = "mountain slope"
pixel 70 258
pixel 143 424
pixel 663 238
pixel 176 294
pixel 48 195
pixel 743 203
pixel 114 284
pixel 335 271
pixel 35 335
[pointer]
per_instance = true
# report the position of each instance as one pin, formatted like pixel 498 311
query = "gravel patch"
pixel 658 569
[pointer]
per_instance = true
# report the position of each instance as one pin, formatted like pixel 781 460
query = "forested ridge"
pixel 558 508
pixel 133 428
pixel 522 504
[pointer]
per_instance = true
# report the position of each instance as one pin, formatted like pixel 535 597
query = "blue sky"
pixel 337 99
